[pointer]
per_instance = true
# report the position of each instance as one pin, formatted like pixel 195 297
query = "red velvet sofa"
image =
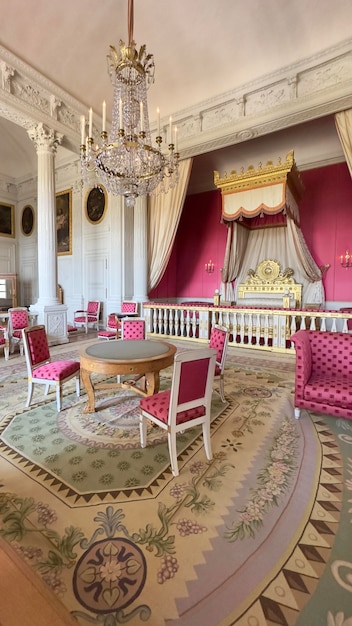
pixel 323 377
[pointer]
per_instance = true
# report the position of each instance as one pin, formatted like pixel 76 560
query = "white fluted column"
pixel 140 251
pixel 48 308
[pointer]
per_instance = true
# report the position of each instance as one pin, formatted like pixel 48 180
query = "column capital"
pixel 44 138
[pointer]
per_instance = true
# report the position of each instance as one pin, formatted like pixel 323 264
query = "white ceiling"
pixel 201 48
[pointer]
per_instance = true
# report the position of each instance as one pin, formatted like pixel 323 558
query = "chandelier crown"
pixel 126 162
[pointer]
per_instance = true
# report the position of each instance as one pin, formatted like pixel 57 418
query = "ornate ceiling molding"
pixel 315 87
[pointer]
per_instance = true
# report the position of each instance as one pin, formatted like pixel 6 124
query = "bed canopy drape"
pixel 261 210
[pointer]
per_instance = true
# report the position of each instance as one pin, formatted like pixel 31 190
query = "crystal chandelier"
pixel 126 162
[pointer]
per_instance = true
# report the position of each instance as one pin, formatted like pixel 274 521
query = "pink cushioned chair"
pixel 219 338
pixel 18 319
pixel 111 331
pixel 133 328
pixel 89 317
pixel 323 377
pixel 129 308
pixel 187 404
pixel 42 370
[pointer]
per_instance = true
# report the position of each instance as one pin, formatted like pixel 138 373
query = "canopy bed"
pixel 260 209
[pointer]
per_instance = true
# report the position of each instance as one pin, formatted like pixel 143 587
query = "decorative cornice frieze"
pixel 275 102
pixel 314 87
pixel 27 97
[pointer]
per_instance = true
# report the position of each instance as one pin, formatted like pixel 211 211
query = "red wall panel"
pixel 326 221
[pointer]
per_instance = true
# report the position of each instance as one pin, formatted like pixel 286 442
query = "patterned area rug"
pixel 258 536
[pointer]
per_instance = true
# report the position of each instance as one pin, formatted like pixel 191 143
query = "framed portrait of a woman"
pixel 96 203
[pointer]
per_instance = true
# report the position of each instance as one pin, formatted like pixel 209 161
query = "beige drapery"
pixel 237 239
pixel 247 248
pixel 164 212
pixel 343 123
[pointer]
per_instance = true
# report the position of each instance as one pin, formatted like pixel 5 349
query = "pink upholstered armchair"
pixel 323 377
pixel 88 317
pixel 18 319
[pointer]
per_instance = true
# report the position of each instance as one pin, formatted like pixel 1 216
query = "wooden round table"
pixel 140 359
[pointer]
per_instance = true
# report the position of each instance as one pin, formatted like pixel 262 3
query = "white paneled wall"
pixel 101 264
pixel 7 256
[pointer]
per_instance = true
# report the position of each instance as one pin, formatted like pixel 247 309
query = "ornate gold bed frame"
pixel 270 280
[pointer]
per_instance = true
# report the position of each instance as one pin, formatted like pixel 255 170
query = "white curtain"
pixel 164 212
pixel 286 245
pixel 343 122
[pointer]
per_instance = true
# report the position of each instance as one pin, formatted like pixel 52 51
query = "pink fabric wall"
pixel 326 220
pixel 200 238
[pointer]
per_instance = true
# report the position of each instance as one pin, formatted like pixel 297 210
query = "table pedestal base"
pixel 148 384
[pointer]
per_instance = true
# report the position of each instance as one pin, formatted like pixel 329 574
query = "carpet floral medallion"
pixel 258 536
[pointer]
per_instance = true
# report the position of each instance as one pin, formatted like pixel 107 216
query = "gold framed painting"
pixel 96 203
pixel 7 220
pixel 64 222
pixel 27 221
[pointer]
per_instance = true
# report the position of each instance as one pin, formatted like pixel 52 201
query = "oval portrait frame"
pixel 27 220
pixel 96 203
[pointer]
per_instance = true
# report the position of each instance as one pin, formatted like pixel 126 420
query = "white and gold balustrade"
pixel 250 327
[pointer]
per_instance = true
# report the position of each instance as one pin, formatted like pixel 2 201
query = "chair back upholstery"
pixel 219 338
pixel 93 307
pixel 192 385
pixel 36 346
pixel 93 310
pixel 129 306
pixel 318 351
pixel 133 328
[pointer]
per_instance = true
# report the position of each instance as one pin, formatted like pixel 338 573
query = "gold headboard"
pixel 269 280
